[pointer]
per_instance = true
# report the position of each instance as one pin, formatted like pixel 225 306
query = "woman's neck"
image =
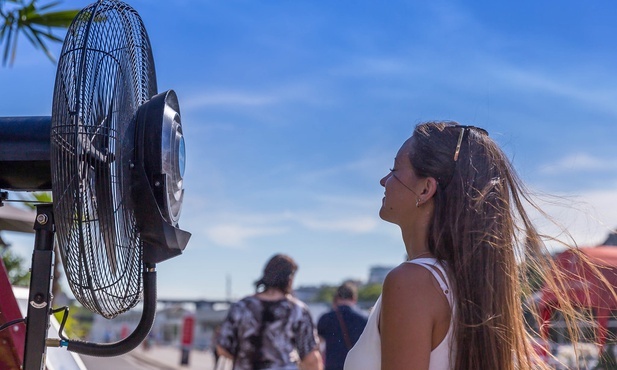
pixel 271 294
pixel 415 231
pixel 416 242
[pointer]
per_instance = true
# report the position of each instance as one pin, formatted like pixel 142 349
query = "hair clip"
pixel 458 143
pixel 461 135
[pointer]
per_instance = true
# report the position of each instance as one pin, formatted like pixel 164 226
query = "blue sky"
pixel 293 111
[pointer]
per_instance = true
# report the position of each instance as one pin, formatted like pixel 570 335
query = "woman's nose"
pixel 382 182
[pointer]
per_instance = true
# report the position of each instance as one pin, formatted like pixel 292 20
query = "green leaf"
pixel 7 46
pixel 29 19
pixel 16 268
pixel 38 43
pixel 5 26
pixel 14 47
pixel 61 19
pixel 30 37
pixel 35 197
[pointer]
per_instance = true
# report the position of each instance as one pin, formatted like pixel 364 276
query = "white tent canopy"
pixel 16 219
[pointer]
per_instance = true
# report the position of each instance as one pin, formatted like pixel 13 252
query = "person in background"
pixel 271 330
pixel 215 335
pixel 457 303
pixel 341 327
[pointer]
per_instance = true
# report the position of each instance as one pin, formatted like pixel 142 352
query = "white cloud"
pixel 246 227
pixel 593 90
pixel 308 90
pixel 374 166
pixel 364 66
pixel 228 98
pixel 588 216
pixel 579 162
pixel 237 235
pixel 355 225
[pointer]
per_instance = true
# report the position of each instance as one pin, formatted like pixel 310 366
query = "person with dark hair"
pixel 271 330
pixel 341 327
pixel 457 303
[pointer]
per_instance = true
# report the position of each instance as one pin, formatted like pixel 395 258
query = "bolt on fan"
pixel 113 155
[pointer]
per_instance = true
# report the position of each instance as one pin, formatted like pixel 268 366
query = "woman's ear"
pixel 429 188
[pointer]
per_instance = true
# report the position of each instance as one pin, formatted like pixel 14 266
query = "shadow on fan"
pixel 113 155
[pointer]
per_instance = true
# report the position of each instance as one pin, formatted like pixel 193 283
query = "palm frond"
pixel 33 22
pixel 7 41
pixel 59 19
pixel 37 40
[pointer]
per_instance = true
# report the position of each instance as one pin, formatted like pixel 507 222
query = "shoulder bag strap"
pixel 343 328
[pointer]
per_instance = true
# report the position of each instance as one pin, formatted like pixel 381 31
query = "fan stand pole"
pixel 39 300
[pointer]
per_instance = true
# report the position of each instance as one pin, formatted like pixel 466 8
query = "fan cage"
pixel 105 72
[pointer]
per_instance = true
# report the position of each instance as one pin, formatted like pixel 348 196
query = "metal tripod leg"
pixel 39 300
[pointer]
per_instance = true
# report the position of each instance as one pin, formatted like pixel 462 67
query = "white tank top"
pixel 366 353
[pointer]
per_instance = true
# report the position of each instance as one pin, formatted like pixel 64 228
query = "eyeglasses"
pixel 402 183
pixel 462 134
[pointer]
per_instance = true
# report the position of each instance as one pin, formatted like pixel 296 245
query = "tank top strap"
pixel 432 265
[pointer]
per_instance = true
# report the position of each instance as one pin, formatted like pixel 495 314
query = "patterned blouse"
pixel 268 334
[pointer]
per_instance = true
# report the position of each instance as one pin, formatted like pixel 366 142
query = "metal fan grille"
pixel 105 72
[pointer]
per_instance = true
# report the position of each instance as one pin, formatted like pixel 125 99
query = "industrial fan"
pixel 112 154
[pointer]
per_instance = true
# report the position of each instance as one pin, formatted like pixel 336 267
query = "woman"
pixel 456 303
pixel 271 329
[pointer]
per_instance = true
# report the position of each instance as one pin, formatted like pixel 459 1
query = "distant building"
pixel 377 274
pixel 307 293
pixel 167 327
pixel 612 239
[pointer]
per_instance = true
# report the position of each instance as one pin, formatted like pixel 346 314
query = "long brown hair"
pixel 278 273
pixel 481 230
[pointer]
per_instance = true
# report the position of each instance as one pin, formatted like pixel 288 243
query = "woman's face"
pixel 401 189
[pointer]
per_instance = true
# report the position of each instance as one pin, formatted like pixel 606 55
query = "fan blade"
pixel 97 162
pixel 105 211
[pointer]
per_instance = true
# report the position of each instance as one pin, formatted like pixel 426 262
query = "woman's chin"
pixel 383 214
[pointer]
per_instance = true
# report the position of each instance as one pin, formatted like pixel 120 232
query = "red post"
pixel 124 331
pixel 188 328
pixel 187 331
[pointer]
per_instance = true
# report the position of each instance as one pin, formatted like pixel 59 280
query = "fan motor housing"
pixel 158 172
pixel 160 135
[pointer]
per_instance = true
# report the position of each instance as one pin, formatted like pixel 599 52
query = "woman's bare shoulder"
pixel 410 284
pixel 407 274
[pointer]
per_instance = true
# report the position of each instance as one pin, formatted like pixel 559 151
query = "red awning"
pixel 584 287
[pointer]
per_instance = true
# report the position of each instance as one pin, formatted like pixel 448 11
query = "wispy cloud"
pixel 377 65
pixel 592 90
pixel 578 162
pixel 229 98
pixel 588 216
pixel 308 90
pixel 355 225
pixel 242 229
pixel 238 235
pixel 370 166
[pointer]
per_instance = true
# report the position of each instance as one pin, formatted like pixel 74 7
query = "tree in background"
pixel 369 292
pixel 366 293
pixel 32 21
pixel 14 264
pixel 326 293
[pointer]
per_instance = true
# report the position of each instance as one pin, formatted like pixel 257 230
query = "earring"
pixel 417 202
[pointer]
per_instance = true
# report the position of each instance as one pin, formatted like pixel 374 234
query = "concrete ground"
pixel 168 357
